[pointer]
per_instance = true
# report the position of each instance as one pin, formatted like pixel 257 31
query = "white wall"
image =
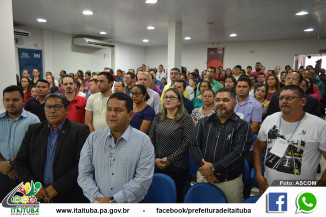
pixel 269 53
pixel 59 53
pixel 128 56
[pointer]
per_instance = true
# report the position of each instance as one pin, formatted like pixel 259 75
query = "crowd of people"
pixel 100 136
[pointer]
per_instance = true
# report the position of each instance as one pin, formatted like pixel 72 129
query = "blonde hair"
pixel 181 110
pixel 145 73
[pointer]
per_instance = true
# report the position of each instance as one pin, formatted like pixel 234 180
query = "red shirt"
pixel 77 109
pixel 27 96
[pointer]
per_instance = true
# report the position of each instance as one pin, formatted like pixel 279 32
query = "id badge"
pixel 279 147
pixel 240 115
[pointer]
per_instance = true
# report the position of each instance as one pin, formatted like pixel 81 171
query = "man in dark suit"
pixel 49 153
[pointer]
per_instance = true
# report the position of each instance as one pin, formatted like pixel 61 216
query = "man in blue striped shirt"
pixel 117 162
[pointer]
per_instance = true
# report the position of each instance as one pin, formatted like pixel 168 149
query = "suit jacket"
pixel 30 160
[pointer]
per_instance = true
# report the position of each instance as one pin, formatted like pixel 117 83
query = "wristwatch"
pixel 11 163
pixel 213 170
pixel 112 200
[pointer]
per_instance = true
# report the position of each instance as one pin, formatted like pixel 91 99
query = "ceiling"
pixel 205 21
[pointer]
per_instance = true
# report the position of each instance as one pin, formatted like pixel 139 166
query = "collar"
pixel 76 97
pixel 234 117
pixel 125 134
pixel 59 127
pixel 22 114
pixel 248 100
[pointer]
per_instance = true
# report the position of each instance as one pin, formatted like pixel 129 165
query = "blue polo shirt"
pixel 251 109
pixel 13 132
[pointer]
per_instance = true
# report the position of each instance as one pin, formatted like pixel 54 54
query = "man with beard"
pixel 219 146
pixel 77 103
pixel 96 103
pixel 258 70
pixel 295 141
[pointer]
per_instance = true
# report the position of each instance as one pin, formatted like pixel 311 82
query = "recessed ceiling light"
pixel 103 33
pixel 309 30
pixel 301 13
pixel 151 1
pixel 187 38
pixel 88 12
pixel 145 40
pixel 233 35
pixel 150 27
pixel 41 20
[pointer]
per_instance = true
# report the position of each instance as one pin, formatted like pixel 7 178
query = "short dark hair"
pixel 143 90
pixel 13 88
pixel 108 75
pixel 238 66
pixel 212 67
pixel 68 76
pixel 88 73
pixel 28 71
pixel 183 74
pixel 284 72
pixel 184 84
pixel 132 75
pixel 64 72
pixel 249 67
pixel 261 73
pixel 246 79
pixel 297 89
pixel 175 69
pixel 122 83
pixel 95 80
pixel 43 81
pixel 63 98
pixel 151 69
pixel 228 90
pixel 123 97
pixel 77 83
pixel 287 66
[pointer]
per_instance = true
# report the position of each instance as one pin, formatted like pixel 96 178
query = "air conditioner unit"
pixel 93 43
pixel 21 33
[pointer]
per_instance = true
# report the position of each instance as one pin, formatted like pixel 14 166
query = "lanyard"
pixel 279 128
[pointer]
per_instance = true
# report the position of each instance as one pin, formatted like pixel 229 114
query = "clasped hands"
pixel 162 163
pixel 8 170
pixel 46 193
pixel 207 172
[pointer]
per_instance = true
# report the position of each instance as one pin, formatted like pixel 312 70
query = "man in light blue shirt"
pixel 117 162
pixel 13 124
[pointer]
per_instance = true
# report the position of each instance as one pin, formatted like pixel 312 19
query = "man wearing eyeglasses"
pixel 49 154
pixel 219 146
pixel 295 142
pixel 294 78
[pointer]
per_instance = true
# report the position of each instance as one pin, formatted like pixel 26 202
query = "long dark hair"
pixel 29 87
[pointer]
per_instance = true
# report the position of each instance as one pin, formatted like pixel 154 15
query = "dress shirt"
pixel 251 109
pixel 159 83
pixel 123 170
pixel 154 100
pixel 13 132
pixel 128 90
pixel 224 145
pixel 159 75
pixel 50 150
pixel 119 79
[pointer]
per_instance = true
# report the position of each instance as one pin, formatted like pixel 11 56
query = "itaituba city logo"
pixel 22 199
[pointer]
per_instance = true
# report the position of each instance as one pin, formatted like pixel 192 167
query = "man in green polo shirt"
pixel 210 77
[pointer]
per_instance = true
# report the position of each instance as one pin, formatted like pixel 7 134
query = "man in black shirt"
pixel 294 78
pixel 181 85
pixel 219 146
pixel 36 105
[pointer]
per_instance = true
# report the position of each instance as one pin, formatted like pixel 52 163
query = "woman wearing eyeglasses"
pixel 144 114
pixel 170 134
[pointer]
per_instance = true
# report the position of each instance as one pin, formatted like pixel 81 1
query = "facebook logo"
pixel 277 202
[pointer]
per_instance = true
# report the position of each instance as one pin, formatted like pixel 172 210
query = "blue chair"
pixel 205 193
pixel 192 167
pixel 251 199
pixel 162 190
pixel 245 173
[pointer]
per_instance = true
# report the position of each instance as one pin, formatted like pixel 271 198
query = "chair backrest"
pixel 246 173
pixel 251 199
pixel 205 193
pixel 162 190
pixel 253 174
pixel 192 167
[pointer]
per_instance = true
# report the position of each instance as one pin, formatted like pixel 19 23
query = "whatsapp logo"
pixel 306 202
